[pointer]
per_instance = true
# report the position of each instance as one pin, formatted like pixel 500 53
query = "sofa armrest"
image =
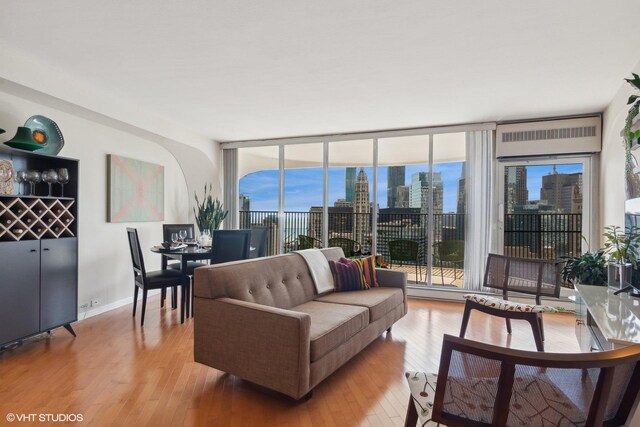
pixel 392 279
pixel 265 345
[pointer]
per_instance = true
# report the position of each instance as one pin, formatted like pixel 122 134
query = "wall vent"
pixel 567 136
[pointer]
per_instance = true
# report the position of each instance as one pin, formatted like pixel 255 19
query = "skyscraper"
pixel 462 198
pixel 395 179
pixel 361 208
pixel 419 192
pixel 350 184
pixel 563 191
pixel 515 186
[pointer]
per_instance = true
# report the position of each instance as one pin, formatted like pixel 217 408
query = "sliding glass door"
pixel 543 207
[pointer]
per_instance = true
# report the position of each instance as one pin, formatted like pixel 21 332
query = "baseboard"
pixel 83 315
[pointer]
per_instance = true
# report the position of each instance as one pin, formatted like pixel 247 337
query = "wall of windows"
pixel 399 197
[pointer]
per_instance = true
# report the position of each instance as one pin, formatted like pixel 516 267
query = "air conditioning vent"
pixel 549 137
pixel 545 134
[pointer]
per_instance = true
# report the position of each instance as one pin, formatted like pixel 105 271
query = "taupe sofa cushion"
pixel 332 325
pixel 379 301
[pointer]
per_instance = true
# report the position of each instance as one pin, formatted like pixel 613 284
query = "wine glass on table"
pixel 50 177
pixel 63 178
pixel 183 235
pixel 174 239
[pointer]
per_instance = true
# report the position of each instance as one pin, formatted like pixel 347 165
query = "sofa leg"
pixel 389 329
pixel 308 396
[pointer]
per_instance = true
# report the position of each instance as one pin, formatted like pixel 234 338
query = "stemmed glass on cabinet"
pixel 20 178
pixel 63 178
pixel 50 177
pixel 33 177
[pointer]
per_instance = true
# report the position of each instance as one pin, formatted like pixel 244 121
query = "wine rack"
pixel 34 218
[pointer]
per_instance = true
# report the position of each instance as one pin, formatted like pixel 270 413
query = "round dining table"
pixel 184 255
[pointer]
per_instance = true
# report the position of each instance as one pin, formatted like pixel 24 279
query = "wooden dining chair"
pixel 537 277
pixel 167 230
pixel 484 385
pixel 148 280
pixel 230 245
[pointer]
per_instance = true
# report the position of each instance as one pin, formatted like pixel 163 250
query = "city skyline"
pixel 304 187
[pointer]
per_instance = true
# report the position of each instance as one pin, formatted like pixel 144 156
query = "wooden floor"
pixel 117 373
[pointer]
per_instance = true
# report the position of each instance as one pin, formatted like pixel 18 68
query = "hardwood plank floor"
pixel 117 373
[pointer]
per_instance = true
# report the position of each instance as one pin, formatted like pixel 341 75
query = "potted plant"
pixel 586 269
pixel 623 250
pixel 631 135
pixel 210 213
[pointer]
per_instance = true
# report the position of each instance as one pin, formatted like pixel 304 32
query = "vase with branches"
pixel 209 213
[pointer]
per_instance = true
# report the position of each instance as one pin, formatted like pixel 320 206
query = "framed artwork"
pixel 6 177
pixel 136 190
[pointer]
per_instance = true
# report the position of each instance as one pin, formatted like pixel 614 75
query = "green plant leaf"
pixel 632 99
pixel 635 82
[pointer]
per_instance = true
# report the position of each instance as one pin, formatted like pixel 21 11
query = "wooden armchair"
pixel 527 276
pixel 484 385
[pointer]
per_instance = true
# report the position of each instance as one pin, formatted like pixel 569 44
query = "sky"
pixel 304 187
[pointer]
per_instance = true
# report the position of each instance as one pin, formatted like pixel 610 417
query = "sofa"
pixel 262 320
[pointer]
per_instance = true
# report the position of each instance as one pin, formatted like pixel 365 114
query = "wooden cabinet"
pixel 38 251
pixel 58 282
pixel 19 290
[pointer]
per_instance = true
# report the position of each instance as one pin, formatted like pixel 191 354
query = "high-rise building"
pixel 343 203
pixel 462 198
pixel 563 191
pixel 361 208
pixel 418 180
pixel 350 184
pixel 244 202
pixel 402 199
pixel 419 192
pixel 515 185
pixel 395 179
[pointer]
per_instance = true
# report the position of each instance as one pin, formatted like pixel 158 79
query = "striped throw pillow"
pixel 347 276
pixel 368 268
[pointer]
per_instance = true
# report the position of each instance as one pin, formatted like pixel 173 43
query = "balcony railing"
pixel 545 236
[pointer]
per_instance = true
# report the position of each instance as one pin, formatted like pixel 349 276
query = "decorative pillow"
pixel 368 268
pixel 347 276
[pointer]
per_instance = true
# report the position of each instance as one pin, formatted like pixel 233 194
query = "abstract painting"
pixel 136 190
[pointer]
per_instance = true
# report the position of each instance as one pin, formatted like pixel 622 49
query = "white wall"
pixel 104 260
pixel 612 161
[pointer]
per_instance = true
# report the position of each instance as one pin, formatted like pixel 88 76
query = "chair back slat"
pixel 230 245
pixel 136 253
pixel 480 384
pixel 529 276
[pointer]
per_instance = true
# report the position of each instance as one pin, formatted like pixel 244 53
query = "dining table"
pixel 184 255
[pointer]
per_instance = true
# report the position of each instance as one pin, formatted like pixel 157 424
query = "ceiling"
pixel 236 70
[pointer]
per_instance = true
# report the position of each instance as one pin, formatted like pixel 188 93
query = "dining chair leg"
pixel 411 419
pixel 163 296
pixel 188 300
pixel 465 319
pixel 193 291
pixel 508 325
pixel 183 303
pixel 174 297
pixel 135 299
pixel 144 305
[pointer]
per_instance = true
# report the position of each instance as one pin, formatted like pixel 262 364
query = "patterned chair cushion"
pixel 535 401
pixel 501 304
pixel 423 391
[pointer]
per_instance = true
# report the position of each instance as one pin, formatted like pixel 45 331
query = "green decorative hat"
pixel 23 140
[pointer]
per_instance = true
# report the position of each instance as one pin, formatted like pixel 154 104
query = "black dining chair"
pixel 167 230
pixel 230 245
pixel 259 237
pixel 148 280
